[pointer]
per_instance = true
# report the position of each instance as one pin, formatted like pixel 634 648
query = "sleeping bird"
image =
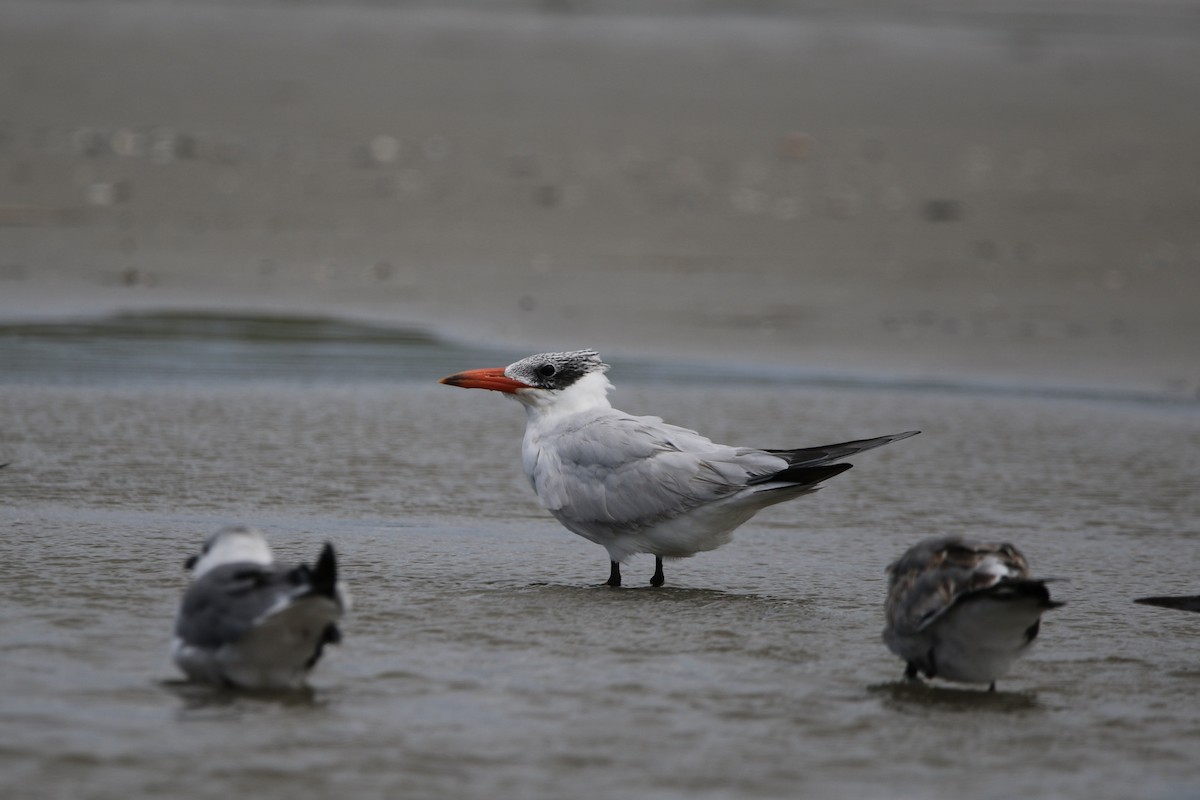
pixel 251 623
pixel 962 611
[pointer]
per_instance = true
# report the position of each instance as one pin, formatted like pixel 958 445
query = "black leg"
pixel 992 688
pixel 910 672
pixel 614 574
pixel 659 579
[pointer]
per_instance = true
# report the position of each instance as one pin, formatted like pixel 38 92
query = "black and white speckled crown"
pixel 556 370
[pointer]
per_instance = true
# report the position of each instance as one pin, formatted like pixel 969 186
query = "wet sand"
pixel 1007 193
pixel 483 658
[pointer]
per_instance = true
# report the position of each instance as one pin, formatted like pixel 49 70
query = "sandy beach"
pixel 1003 194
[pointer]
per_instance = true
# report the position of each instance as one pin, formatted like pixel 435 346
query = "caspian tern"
pixel 250 623
pixel 962 611
pixel 636 484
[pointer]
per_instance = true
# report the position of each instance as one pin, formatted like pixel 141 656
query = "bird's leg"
pixel 614 574
pixel 992 688
pixel 910 672
pixel 658 579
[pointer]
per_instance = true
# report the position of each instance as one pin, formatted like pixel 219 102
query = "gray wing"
pixel 223 604
pixel 628 472
pixel 938 573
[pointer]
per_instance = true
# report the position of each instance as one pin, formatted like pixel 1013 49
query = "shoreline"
pixel 648 365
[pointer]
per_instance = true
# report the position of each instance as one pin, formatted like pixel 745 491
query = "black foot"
pixel 658 579
pixel 614 574
pixel 911 672
pixel 992 688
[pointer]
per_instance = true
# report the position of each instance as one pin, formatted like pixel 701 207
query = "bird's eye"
pixel 547 370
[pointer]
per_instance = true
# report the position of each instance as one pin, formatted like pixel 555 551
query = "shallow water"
pixel 483 659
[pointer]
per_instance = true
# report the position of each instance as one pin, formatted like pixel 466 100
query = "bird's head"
pixel 231 544
pixel 543 378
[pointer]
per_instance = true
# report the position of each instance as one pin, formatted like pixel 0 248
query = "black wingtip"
pixel 880 441
pixel 325 572
pixel 801 476
pixel 1181 603
pixel 828 453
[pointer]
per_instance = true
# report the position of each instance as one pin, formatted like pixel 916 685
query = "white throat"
pixel 590 391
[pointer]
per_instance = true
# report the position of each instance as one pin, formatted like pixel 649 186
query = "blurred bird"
pixel 1180 602
pixel 636 484
pixel 962 611
pixel 251 623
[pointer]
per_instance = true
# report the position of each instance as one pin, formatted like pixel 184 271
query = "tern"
pixel 637 484
pixel 962 611
pixel 250 623
pixel 1186 602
